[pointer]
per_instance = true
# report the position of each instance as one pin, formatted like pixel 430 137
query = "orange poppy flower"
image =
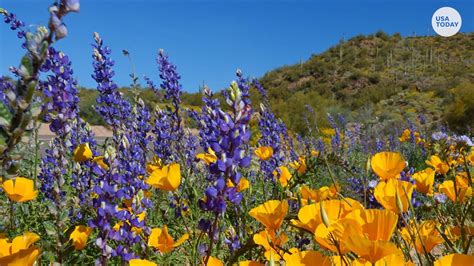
pixel 375 224
pixel 427 236
pixel 447 188
pixel 455 259
pixel 82 153
pixel 303 258
pixel 139 262
pixel 20 251
pixel 79 236
pixel 270 213
pixel 264 152
pixel 161 240
pixel 270 241
pixel 20 189
pixel 424 181
pixel 310 216
pixel 439 166
pixel 209 157
pixel 387 165
pixel 284 175
pixel 167 178
pixel 394 195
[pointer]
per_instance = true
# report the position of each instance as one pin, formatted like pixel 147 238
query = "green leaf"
pixel 4 112
pixel 50 228
pixel 26 66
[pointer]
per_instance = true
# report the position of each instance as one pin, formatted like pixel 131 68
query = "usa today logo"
pixel 446 21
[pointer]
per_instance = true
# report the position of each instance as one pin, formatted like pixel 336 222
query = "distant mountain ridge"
pixel 380 78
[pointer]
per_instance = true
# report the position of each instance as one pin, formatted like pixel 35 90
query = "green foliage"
pixel 391 73
pixel 460 111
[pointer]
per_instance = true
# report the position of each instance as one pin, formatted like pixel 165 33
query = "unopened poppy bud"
pixel 324 215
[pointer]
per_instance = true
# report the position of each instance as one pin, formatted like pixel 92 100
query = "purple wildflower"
pixel 168 123
pixel 119 183
pixel 228 137
pixel 440 135
pixel 6 87
pixel 271 131
pixel 15 24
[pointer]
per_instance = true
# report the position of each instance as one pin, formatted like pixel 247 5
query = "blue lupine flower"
pixel 233 133
pixel 208 127
pixel 5 87
pixel 271 131
pixel 150 83
pixel 336 139
pixel 288 143
pixel 61 111
pixel 437 136
pixel 119 183
pixel 168 127
pixel 379 145
pixel 173 91
pixel 228 137
pixel 412 128
pixel 15 24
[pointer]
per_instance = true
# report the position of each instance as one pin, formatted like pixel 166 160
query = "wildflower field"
pixel 244 190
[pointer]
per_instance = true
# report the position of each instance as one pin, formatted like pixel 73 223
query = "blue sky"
pixel 209 40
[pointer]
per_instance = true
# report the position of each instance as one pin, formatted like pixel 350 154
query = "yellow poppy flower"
pixel 332 236
pixel 454 260
pixel 309 257
pixel 243 184
pixel 447 188
pixel 79 236
pixel 153 165
pixel 250 263
pixel 406 135
pixel 462 179
pixel 387 165
pixel 340 261
pixel 394 259
pixel 270 213
pixel 167 178
pixel 470 157
pixel 368 249
pixel 439 166
pixel 20 251
pixel 333 189
pixel 284 177
pixel 315 195
pixel 264 152
pixel 82 153
pixel 394 195
pixel 269 240
pixel 214 262
pixel 208 158
pixel 310 216
pixel 161 240
pixel 427 236
pixel 300 165
pixel 139 262
pixel 424 181
pixel 375 224
pixel 20 189
pixel 315 153
pixel 100 162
